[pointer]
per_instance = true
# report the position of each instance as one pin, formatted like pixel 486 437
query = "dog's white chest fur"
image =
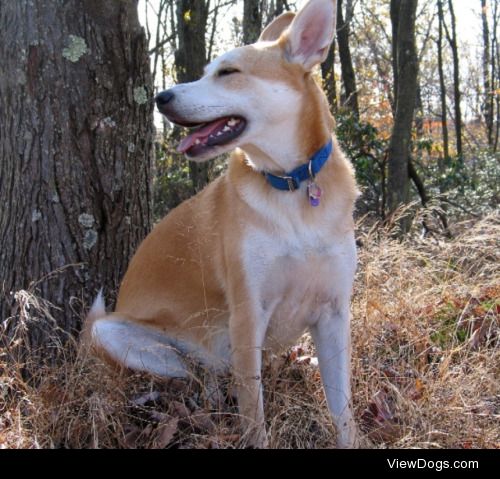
pixel 296 278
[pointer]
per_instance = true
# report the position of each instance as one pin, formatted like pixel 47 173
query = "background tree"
pixel 328 76
pixel 190 59
pixel 76 140
pixel 350 96
pixel 487 81
pixel 403 16
pixel 453 41
pixel 252 21
pixel 490 16
pixel 442 88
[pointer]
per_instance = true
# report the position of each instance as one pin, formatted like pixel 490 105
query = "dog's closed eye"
pixel 223 72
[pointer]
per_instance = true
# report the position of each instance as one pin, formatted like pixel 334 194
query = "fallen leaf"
pixel 418 391
pixel 179 409
pixel 176 385
pixel 306 360
pixel 481 328
pixel 203 422
pixel 131 435
pixel 165 433
pixel 158 416
pixel 145 398
pixel 294 353
pixel 378 419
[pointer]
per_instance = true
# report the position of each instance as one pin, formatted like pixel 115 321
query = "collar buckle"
pixel 311 174
pixel 292 185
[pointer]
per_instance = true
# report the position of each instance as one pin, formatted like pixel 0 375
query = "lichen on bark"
pixel 76 49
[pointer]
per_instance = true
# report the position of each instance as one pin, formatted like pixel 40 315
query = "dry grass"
pixel 426 366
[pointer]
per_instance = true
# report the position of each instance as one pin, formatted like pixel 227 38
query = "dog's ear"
pixel 311 33
pixel 274 30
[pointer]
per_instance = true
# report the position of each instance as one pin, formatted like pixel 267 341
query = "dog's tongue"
pixel 200 134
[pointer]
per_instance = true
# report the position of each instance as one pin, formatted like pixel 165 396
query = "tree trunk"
pixel 405 96
pixel 76 146
pixel 452 39
pixel 419 112
pixel 495 76
pixel 190 59
pixel 395 10
pixel 488 96
pixel 328 75
pixel 281 6
pixel 348 76
pixel 252 21
pixel 442 85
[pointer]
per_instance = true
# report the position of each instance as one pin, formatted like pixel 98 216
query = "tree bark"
pixel 442 85
pixel 419 112
pixel 495 75
pixel 488 96
pixel 395 11
pixel 452 39
pixel 405 96
pixel 350 99
pixel 281 6
pixel 76 146
pixel 252 21
pixel 328 75
pixel 190 59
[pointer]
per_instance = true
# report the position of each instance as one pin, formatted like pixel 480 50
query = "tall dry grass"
pixel 426 367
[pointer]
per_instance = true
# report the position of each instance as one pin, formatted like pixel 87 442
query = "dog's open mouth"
pixel 209 135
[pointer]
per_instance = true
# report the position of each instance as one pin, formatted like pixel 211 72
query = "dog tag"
pixel 314 193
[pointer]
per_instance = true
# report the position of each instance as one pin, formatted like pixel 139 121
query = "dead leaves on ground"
pixel 379 420
pixel 159 422
pixel 383 419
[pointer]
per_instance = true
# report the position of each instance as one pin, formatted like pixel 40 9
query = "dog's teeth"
pixel 197 142
pixel 219 133
pixel 232 122
pixel 226 128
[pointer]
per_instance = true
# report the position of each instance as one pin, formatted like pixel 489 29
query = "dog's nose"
pixel 164 97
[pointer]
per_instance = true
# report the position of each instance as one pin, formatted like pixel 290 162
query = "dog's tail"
pixel 97 311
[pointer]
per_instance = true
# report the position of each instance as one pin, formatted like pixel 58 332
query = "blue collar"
pixel 291 181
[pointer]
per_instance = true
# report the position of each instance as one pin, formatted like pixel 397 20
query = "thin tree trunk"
pixel 452 39
pixel 252 21
pixel 407 64
pixel 281 6
pixel 76 146
pixel 419 112
pixel 190 59
pixel 211 42
pixel 328 75
pixel 350 99
pixel 488 97
pixel 158 50
pixel 442 86
pixel 495 75
pixel 395 11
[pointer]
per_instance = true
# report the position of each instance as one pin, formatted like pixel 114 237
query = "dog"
pixel 264 252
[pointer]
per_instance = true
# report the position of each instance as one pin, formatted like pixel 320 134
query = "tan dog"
pixel 244 266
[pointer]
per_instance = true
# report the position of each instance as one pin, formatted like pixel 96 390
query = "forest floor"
pixel 426 368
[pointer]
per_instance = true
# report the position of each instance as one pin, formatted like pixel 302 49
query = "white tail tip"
pixel 98 309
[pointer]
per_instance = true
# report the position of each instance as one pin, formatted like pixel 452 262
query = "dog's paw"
pixel 348 438
pixel 257 438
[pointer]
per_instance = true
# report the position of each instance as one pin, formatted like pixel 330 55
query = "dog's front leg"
pixel 247 338
pixel 331 335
